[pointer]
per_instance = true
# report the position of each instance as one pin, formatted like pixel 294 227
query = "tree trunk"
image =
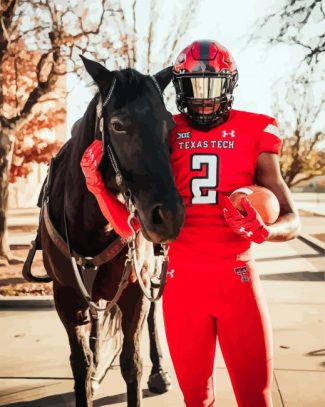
pixel 6 151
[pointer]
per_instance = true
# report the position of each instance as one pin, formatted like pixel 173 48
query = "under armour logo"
pixel 242 272
pixel 171 273
pixel 243 230
pixel 183 135
pixel 228 133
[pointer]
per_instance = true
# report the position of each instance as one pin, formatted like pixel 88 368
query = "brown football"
pixel 262 199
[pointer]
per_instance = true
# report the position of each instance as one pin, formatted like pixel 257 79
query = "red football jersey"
pixel 218 161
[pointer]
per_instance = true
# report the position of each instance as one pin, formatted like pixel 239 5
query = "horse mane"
pixel 82 133
pixel 130 85
pixel 85 126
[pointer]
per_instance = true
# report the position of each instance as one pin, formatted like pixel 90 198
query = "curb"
pixel 312 242
pixel 26 302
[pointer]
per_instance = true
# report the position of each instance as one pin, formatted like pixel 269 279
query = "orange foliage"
pixel 19 79
pixel 30 146
pixel 40 151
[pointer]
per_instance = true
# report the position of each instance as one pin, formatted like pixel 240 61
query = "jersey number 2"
pixel 209 182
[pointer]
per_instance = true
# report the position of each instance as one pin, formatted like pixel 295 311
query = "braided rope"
pixel 157 86
pixel 110 93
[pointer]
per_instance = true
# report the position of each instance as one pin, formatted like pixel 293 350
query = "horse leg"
pixel 76 321
pixel 105 342
pixel 94 343
pixel 134 306
pixel 159 381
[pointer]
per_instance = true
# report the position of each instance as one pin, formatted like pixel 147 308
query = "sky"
pixel 261 68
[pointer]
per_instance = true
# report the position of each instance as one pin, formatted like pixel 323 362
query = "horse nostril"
pixel 157 215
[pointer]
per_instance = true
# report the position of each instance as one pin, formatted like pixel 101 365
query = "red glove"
pixel 114 211
pixel 250 226
pixel 89 164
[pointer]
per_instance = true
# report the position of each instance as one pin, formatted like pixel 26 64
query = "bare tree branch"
pixel 300 152
pixel 287 27
pixel 306 178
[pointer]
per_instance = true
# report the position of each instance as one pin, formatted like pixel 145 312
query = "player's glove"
pixel 89 165
pixel 250 226
pixel 114 211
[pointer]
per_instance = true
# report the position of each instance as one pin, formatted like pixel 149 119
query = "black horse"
pixel 129 115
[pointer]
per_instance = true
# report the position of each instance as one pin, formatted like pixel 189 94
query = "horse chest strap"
pixel 84 261
pixel 89 273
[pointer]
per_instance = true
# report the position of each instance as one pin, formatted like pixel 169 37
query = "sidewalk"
pixel 22 224
pixel 34 351
pixel 309 204
pixel 313 203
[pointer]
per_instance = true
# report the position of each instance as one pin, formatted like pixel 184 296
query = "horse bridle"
pixel 127 194
pixel 120 181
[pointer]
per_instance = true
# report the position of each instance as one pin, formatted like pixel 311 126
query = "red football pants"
pixel 224 300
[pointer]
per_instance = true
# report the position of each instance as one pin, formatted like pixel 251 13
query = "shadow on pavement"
pixel 318 352
pixel 298 256
pixel 120 398
pixel 296 276
pixel 62 400
pixel 68 400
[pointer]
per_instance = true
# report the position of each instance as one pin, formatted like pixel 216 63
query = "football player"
pixel 213 289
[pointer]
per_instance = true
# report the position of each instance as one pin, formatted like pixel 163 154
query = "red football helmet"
pixel 204 76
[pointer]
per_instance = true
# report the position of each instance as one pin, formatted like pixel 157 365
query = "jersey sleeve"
pixel 269 139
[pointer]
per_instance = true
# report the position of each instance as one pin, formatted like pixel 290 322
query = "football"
pixel 262 199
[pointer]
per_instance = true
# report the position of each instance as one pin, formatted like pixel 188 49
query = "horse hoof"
pixel 94 386
pixel 159 383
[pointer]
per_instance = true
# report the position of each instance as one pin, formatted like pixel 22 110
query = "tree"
pixel 29 146
pixel 299 157
pixel 300 116
pixel 37 39
pixel 299 23
pixel 42 39
pixel 150 36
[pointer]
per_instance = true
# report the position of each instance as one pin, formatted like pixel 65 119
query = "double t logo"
pixel 242 272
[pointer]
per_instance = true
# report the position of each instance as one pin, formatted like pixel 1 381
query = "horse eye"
pixel 117 126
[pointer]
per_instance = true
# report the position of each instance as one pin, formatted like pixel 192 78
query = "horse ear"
pixel 163 77
pixel 102 76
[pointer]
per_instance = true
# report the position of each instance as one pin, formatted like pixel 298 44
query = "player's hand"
pixel 113 210
pixel 250 226
pixel 89 165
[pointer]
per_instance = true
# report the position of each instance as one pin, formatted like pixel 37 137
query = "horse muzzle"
pixel 162 224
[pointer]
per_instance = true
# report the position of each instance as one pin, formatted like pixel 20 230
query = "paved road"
pixel 34 369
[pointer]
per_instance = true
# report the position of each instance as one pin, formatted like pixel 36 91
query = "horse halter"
pixel 120 181
pixel 127 194
pixel 99 109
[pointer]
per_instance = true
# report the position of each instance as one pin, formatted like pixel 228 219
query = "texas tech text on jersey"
pixel 209 144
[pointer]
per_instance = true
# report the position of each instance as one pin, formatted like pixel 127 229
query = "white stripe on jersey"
pixel 270 128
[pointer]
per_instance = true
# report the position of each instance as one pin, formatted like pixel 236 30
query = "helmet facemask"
pixel 205 99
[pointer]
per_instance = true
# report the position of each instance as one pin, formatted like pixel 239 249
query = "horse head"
pixel 136 128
